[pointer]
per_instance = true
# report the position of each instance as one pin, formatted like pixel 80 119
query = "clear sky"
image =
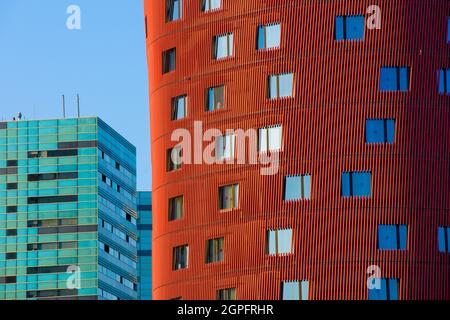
pixel 104 61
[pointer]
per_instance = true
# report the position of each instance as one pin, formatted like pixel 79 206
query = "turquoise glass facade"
pixel 144 207
pixel 67 211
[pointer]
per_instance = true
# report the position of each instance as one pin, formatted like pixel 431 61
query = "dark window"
pixel 52 222
pixel 173 10
pixel 8 280
pixel 173 159
pixel 394 79
pixel 52 176
pixel 11 186
pixel 380 131
pixel 50 269
pixel 52 293
pixel 229 197
pixel 52 199
pixel 180 257
pixel 384 289
pixel 356 184
pixel 146 28
pixel 349 28
pixel 215 98
pixel 11 256
pixel 11 232
pixel 6 171
pixel 78 144
pixel 226 294
pixel 176 208
pixel 444 81
pixel 392 237
pixel 3 125
pixel 117 165
pixel 168 60
pixel 52 153
pixel 11 209
pixel 11 163
pixel 214 250
pixel 68 229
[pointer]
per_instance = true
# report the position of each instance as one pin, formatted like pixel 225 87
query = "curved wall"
pixel 336 88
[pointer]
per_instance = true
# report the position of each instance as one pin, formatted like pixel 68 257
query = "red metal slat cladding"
pixel 336 88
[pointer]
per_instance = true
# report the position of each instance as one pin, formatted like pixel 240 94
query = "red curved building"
pixel 353 99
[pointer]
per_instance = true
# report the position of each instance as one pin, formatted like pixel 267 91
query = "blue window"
pixel 394 79
pixel 269 36
pixel 173 10
pixel 387 290
pixel 448 31
pixel 356 184
pixel 380 130
pixel 392 237
pixel 444 239
pixel 297 188
pixel 349 28
pixel 444 81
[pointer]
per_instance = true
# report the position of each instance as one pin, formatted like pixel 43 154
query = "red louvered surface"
pixel 336 88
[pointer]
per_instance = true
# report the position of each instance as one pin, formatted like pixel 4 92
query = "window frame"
pixel 175 105
pixel 278 95
pixel 278 243
pixel 175 203
pixel 234 197
pixel 214 103
pixel 178 253
pixel 264 28
pixel 167 55
pixel 215 250
pixel 229 46
pixel 203 6
pixel 303 193
pixel 171 4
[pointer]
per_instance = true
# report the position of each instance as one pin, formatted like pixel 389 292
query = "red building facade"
pixel 367 122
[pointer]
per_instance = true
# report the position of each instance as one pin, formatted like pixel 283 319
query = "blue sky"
pixel 104 61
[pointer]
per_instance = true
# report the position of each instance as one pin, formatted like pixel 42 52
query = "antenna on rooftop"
pixel 78 104
pixel 64 106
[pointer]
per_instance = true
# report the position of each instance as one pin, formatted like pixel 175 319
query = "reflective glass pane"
pixel 273 34
pixel 292 188
pixel 285 241
pixel 388 79
pixel 355 27
pixel 291 291
pixel 387 237
pixel 286 83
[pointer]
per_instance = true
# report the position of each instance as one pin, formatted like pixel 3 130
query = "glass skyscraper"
pixel 144 207
pixel 67 211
